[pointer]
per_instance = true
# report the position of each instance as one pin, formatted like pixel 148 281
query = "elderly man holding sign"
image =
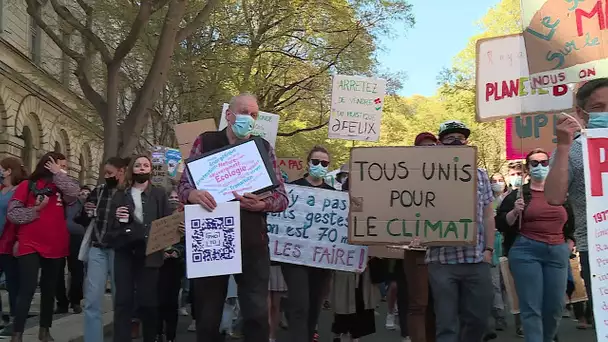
pixel 210 292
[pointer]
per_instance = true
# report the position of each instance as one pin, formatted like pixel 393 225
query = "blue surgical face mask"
pixel 598 120
pixel 515 181
pixel 539 172
pixel 243 126
pixel 317 171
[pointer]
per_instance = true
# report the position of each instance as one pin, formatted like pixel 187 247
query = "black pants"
pixel 586 275
pixel 10 268
pixel 210 296
pixel 29 265
pixel 76 270
pixel 306 287
pixel 169 284
pixel 402 299
pixel 130 272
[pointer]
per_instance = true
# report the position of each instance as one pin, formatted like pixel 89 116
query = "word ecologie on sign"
pixel 402 193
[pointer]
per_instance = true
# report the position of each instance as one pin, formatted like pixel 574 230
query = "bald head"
pixel 244 103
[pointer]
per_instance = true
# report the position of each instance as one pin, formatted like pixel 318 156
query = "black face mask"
pixel 173 205
pixel 141 177
pixel 111 182
pixel 455 143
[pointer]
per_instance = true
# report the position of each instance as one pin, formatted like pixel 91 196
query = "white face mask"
pixel 498 187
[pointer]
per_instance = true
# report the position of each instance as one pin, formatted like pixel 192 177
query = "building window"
pixel 57 147
pixel 82 177
pixel 27 150
pixel 35 40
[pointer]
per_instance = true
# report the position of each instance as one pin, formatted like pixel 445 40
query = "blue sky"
pixel 443 28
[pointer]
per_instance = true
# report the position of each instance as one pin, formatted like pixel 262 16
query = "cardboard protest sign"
pixel 291 168
pixel 595 165
pixel 187 132
pixel 356 107
pixel 503 82
pixel 165 166
pixel 266 125
pixel 524 133
pixel 164 233
pixel 213 240
pixel 400 193
pixel 313 231
pixel 565 40
pixel 244 167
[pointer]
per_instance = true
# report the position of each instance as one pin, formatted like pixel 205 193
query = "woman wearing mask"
pixel 98 258
pixel 12 173
pixel 305 285
pixel 538 252
pixel 132 211
pixel 498 319
pixel 37 207
pixel 169 282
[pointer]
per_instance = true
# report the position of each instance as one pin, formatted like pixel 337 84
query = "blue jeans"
pixel 540 272
pixel 98 267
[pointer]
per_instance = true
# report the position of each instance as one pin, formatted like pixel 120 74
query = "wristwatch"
pixel 489 249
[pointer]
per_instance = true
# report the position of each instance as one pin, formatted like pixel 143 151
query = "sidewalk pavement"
pixel 66 327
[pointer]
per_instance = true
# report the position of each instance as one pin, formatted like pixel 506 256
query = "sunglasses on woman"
pixel 316 162
pixel 534 163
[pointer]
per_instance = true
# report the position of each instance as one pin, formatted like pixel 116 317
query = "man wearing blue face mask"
pixel 210 292
pixel 460 276
pixel 567 176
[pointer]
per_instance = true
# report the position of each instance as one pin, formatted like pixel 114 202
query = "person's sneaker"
pixel 390 322
pixel 183 311
pixel 77 308
pixel 192 326
pixel 315 337
pixel 7 331
pixel 519 332
pixel 490 336
pixel 406 339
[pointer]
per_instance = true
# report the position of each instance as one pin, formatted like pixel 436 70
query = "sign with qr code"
pixel 313 231
pixel 243 167
pixel 213 240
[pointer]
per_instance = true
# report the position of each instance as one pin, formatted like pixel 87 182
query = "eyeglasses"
pixel 534 163
pixel 323 163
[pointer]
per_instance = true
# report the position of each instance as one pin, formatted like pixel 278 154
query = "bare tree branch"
pixel 145 10
pixel 198 21
pixel 307 129
pixel 68 17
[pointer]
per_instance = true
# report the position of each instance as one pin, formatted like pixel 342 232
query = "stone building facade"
pixel 41 107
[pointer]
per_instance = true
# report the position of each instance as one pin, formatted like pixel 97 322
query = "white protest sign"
pixel 503 82
pixel 213 240
pixel 241 168
pixel 595 157
pixel 313 231
pixel 266 125
pixel 356 108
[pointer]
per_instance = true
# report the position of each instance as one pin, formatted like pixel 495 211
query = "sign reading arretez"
pixel 400 193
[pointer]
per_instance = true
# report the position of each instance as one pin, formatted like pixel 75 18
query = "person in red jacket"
pixel 12 173
pixel 37 207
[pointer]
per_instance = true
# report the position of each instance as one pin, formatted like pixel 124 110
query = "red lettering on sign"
pixel 596 10
pixel 597 166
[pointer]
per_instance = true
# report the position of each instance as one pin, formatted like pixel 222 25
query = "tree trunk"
pixel 111 137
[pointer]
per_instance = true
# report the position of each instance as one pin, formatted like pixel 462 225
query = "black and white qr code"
pixel 213 239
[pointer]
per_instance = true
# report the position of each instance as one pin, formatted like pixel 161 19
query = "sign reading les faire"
pixel 399 193
pixel 565 40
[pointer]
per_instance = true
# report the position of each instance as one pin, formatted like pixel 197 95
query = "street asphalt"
pixel 567 331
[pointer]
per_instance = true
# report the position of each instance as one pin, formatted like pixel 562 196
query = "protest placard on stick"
pixel 164 232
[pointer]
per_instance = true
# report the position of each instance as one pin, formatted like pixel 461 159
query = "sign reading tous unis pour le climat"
pixel 313 231
pixel 400 193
